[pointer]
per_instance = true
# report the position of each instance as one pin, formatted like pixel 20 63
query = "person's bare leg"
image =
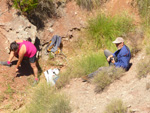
pixel 35 69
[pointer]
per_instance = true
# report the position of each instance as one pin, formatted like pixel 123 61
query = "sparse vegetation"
pixel 148 49
pixel 8 106
pixel 51 56
pixel 46 99
pixel 82 66
pixel 57 60
pixel 106 76
pixel 25 5
pixel 103 29
pixel 37 11
pixel 44 10
pixel 116 106
pixel 9 90
pixel 89 4
pixel 64 78
pixel 144 9
pixel 30 80
pixel 148 86
pixel 143 68
pixel 136 45
pixel 89 63
pixel 1 98
pixel 134 50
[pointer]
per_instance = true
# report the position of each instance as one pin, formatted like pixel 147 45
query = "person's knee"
pixel 106 51
pixel 33 65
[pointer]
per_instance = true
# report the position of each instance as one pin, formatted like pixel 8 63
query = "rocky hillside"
pixel 70 21
pixel 14 26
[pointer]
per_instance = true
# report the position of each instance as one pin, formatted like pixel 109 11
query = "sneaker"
pixel 35 82
pixel 5 63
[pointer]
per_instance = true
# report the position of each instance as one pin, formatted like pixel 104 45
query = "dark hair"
pixel 14 46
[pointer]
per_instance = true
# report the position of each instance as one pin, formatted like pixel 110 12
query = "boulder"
pixel 20 28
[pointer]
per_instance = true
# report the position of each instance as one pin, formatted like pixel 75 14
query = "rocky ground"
pixel 128 88
pixel 13 85
pixel 83 98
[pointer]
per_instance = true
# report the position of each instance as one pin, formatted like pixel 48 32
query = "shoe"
pixel 5 63
pixel 85 79
pixel 35 82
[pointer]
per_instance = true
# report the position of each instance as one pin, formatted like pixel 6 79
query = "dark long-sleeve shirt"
pixel 123 57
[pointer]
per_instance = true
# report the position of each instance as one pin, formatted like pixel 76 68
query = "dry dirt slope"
pixel 129 89
pixel 83 98
pixel 13 91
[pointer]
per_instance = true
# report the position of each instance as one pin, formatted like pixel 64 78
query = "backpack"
pixel 54 45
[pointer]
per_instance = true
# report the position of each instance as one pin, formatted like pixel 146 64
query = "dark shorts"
pixel 32 59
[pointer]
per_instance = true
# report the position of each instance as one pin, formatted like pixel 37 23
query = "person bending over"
pixel 21 49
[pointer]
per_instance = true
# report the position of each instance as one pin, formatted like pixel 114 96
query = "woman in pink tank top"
pixel 23 49
pixel 30 48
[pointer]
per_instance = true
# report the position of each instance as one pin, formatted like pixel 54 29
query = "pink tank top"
pixel 30 48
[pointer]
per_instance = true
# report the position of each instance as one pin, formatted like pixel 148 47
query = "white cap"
pixel 118 40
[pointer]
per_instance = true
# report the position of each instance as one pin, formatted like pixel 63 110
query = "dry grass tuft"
pixel 143 68
pixel 46 99
pixel 148 86
pixel 106 76
pixel 116 106
pixel 135 39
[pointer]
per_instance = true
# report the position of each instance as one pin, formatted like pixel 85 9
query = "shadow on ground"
pixel 26 69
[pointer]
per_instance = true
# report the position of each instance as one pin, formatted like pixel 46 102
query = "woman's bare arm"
pixel 22 51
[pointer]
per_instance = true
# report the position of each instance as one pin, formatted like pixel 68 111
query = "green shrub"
pixel 82 66
pixel 88 64
pixel 106 76
pixel 45 99
pixel 143 68
pixel 104 29
pixel 37 11
pixel 25 5
pixel 116 106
